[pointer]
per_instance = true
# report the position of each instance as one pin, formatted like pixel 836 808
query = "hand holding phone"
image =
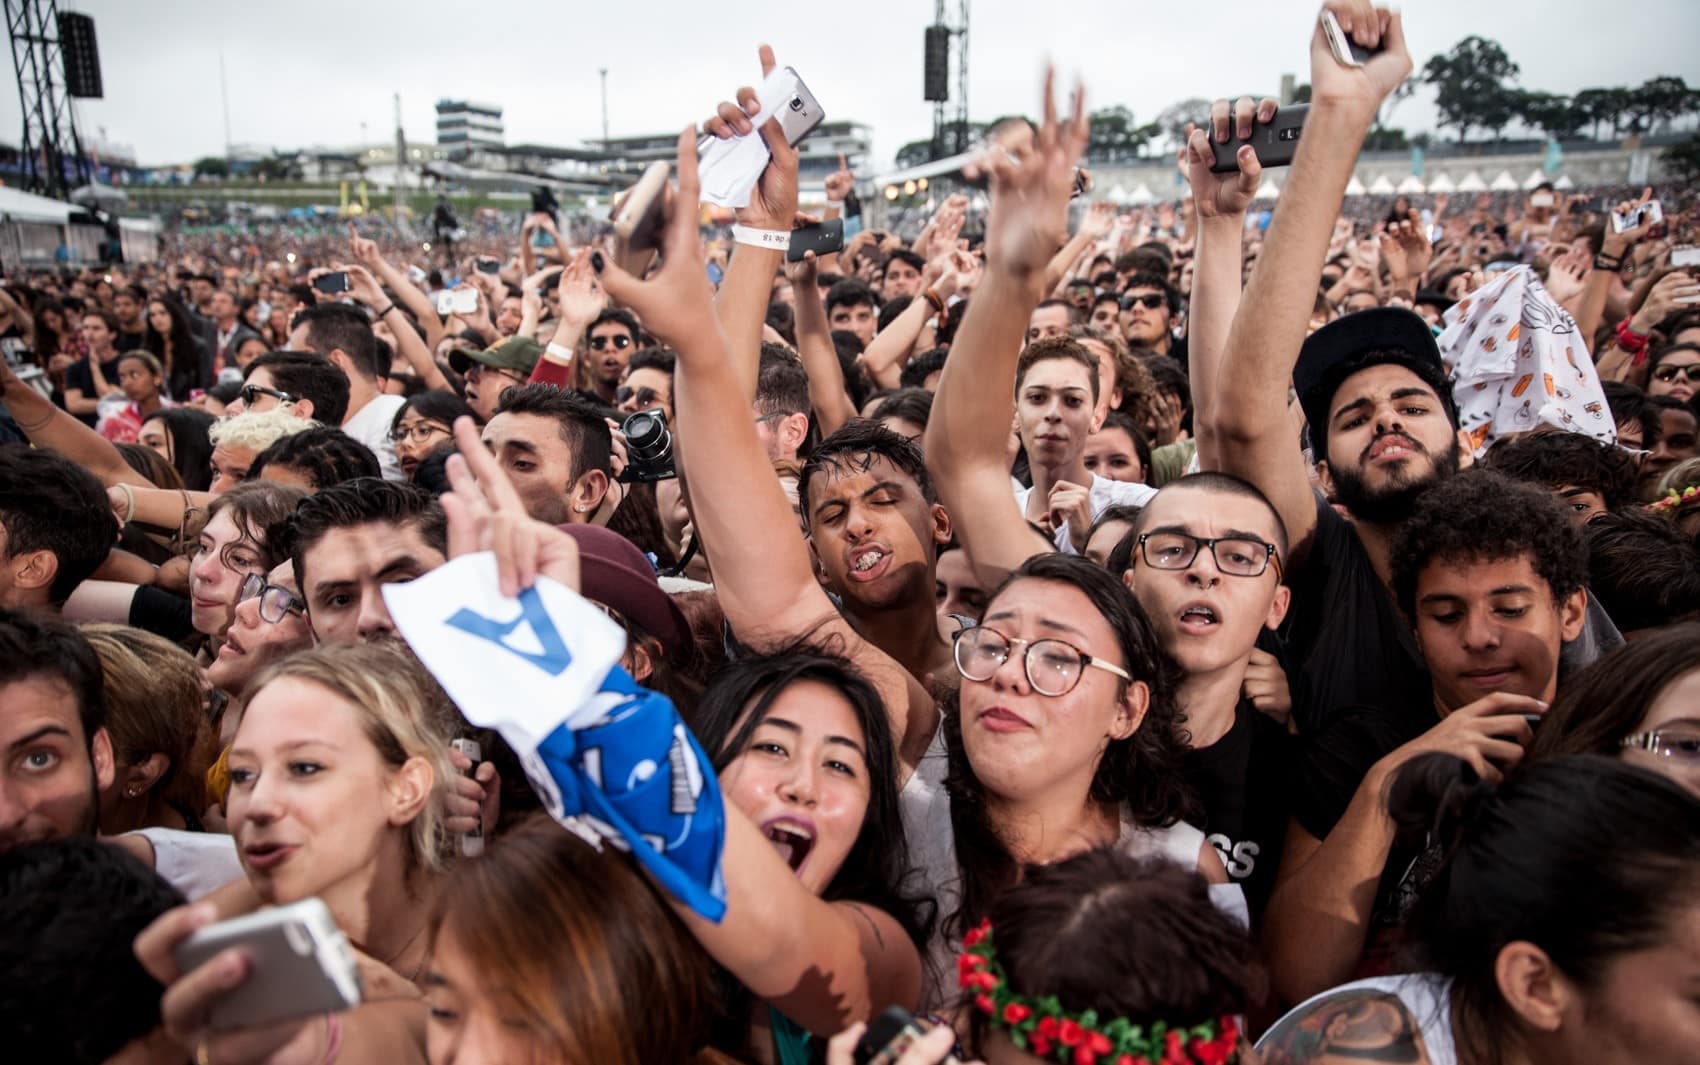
pixel 332 283
pixel 1347 52
pixel 457 301
pixel 1275 141
pixel 822 238
pixel 297 963
pixel 471 843
pixel 895 1036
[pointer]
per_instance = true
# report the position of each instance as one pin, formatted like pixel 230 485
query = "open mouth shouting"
pixel 1392 448
pixel 792 837
pixel 869 562
pixel 1198 619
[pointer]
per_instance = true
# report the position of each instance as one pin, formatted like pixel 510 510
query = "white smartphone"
pixel 1685 255
pixel 1346 52
pixel 457 301
pixel 300 964
pixel 1648 214
pixel 638 219
pixel 472 843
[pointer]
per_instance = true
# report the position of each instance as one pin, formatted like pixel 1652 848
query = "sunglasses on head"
pixel 1150 301
pixel 619 340
pixel 1668 374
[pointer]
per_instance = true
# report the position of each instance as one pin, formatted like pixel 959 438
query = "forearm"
pixel 1592 305
pixel 892 346
pixel 414 299
pixel 77 403
pixel 48 426
pixel 827 395
pixel 1214 299
pixel 969 425
pixel 1318 918
pixel 741 308
pixel 165 508
pixel 127 568
pixel 409 345
pixel 107 601
pixel 1059 268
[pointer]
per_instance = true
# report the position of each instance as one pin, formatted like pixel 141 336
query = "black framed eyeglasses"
pixel 1668 374
pixel 251 393
pixel 276 601
pixel 420 431
pixel 1053 667
pixel 643 396
pixel 619 340
pixel 1150 301
pixel 1236 556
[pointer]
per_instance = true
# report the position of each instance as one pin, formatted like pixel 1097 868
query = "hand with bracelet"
pixel 773 202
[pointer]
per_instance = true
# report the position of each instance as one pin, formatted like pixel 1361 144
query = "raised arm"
pixel 364 287
pixel 1094 227
pixel 1220 201
pixel 747 288
pixel 406 292
pixel 969 428
pixel 48 426
pixel 763 575
pixel 823 964
pixel 1249 422
pixel 893 347
pixel 827 394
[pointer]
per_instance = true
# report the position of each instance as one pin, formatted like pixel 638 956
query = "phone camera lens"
pixel 796 103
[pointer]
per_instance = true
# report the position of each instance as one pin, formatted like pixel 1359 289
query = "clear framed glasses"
pixel 1237 556
pixel 1053 667
pixel 276 601
pixel 419 431
pixel 1678 742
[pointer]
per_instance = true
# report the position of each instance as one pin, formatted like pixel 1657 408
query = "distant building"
pixel 817 155
pixel 468 124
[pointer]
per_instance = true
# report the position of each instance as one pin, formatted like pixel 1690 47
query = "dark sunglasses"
pixel 1151 301
pixel 250 393
pixel 643 396
pixel 619 340
pixel 1668 374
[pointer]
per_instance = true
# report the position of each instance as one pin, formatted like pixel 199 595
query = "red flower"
pixel 1083 1056
pixel 1172 1041
pixel 1129 1059
pixel 987 1006
pixel 1041 1046
pixel 1015 1013
pixel 1099 1042
pixel 1071 1034
pixel 1048 1027
pixel 1208 1053
pixel 976 934
pixel 1230 1030
pixel 982 979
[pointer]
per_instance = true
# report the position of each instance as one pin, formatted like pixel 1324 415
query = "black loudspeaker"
pixel 82 59
pixel 936 75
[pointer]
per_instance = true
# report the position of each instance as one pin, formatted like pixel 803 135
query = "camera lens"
pixel 646 435
pixel 796 103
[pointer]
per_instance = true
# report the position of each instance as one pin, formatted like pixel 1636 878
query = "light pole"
pixel 604 72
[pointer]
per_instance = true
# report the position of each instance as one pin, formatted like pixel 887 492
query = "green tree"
pixel 1659 100
pixel 915 153
pixel 1684 158
pixel 1115 137
pixel 1605 104
pixel 1556 116
pixel 1471 85
pixel 212 166
pixel 1174 118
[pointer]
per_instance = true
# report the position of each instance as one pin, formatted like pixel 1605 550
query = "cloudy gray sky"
pixel 310 72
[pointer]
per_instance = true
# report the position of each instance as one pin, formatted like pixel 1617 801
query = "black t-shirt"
pixel 162 613
pixel 132 341
pixel 78 376
pixel 1242 782
pixel 1346 635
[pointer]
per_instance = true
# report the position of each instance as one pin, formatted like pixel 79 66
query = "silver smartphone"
pixel 799 115
pixel 472 843
pixel 1346 51
pixel 300 964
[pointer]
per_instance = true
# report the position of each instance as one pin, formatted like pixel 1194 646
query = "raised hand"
pixel 840 181
pixel 1225 195
pixel 485 513
pixel 1568 274
pixel 1030 189
pixel 365 251
pixel 1361 88
pixel 582 299
pixel 773 204
pixel 362 285
pixel 1098 220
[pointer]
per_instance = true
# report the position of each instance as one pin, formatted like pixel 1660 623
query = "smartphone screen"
pixel 331 283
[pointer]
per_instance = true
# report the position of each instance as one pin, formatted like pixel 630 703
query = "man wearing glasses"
pixel 491 372
pixel 1147 315
pixel 309 385
pixel 613 336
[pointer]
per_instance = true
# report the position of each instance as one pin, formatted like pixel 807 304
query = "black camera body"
pixel 649 448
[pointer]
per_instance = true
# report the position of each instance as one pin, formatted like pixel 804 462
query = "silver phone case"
pixel 300 964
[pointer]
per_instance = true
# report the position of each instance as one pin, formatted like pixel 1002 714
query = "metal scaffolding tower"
pixel 50 152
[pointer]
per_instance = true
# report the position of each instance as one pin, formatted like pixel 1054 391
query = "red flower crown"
pixel 1040 1026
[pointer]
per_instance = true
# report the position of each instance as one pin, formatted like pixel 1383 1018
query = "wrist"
pixel 761 237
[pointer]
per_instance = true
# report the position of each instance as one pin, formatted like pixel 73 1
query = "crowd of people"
pixel 1108 637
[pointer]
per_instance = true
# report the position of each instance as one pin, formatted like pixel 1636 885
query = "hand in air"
pixel 1225 195
pixel 1364 87
pixel 774 201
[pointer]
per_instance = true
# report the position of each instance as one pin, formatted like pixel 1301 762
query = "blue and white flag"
pixel 606 755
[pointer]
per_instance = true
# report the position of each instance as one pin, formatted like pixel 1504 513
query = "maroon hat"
pixel 613 572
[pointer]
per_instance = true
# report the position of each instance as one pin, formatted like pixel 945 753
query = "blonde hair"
pixel 257 430
pixel 1680 476
pixel 153 705
pixel 401 710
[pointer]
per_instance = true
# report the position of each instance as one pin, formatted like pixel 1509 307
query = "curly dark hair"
pixel 1555 460
pixel 1642 569
pixel 1141 773
pixel 918 369
pixel 1479 515
pixel 325 456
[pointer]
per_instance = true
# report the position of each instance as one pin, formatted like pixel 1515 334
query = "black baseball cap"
pixel 1355 342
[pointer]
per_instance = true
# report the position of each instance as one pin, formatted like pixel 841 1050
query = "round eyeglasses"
pixel 1236 556
pixel 276 601
pixel 420 431
pixel 1053 667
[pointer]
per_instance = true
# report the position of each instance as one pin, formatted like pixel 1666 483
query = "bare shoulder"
pixel 1347 1026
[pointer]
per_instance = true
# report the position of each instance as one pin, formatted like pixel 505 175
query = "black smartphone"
pixel 889 1035
pixel 822 238
pixel 488 265
pixel 332 283
pixel 1274 143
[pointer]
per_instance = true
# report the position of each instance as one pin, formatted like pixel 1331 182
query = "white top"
pixel 1428 997
pixel 195 863
pixel 371 426
pixel 1105 494
pixel 924 805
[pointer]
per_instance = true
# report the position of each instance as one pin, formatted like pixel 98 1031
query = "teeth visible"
pixel 1199 612
pixel 868 561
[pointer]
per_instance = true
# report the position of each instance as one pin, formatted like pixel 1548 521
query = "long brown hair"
pixel 573 940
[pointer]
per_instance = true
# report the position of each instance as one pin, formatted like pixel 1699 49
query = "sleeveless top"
pixel 1426 996
pixel 925 808
pixel 790 1039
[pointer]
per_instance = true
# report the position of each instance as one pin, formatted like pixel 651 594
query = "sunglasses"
pixel 1150 301
pixel 1668 374
pixel 643 396
pixel 251 393
pixel 620 341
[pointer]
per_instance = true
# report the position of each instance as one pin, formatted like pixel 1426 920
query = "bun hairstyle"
pixel 1585 857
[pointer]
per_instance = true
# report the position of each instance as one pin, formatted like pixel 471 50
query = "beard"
pixel 1393 501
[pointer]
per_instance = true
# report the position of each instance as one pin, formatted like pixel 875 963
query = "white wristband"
pixel 771 239
pixel 559 354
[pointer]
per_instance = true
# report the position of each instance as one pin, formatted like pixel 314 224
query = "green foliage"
pixel 1472 85
pixel 1684 158
pixel 1115 137
pixel 212 166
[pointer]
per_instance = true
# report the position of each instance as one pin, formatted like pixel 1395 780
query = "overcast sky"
pixel 310 72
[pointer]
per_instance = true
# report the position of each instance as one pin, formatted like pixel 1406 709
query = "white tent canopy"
pixel 1117 194
pixel 1504 182
pixel 1142 194
pixel 1355 187
pixel 1411 185
pixel 1267 191
pixel 1534 180
pixel 1442 183
pixel 1472 182
pixel 20 206
pixel 1381 186
pixel 1563 183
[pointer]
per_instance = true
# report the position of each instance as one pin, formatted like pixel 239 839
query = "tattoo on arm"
pixel 1358 1026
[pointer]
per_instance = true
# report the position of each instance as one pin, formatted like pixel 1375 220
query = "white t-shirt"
pixel 195 863
pixel 1428 997
pixel 924 805
pixel 371 426
pixel 1105 494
